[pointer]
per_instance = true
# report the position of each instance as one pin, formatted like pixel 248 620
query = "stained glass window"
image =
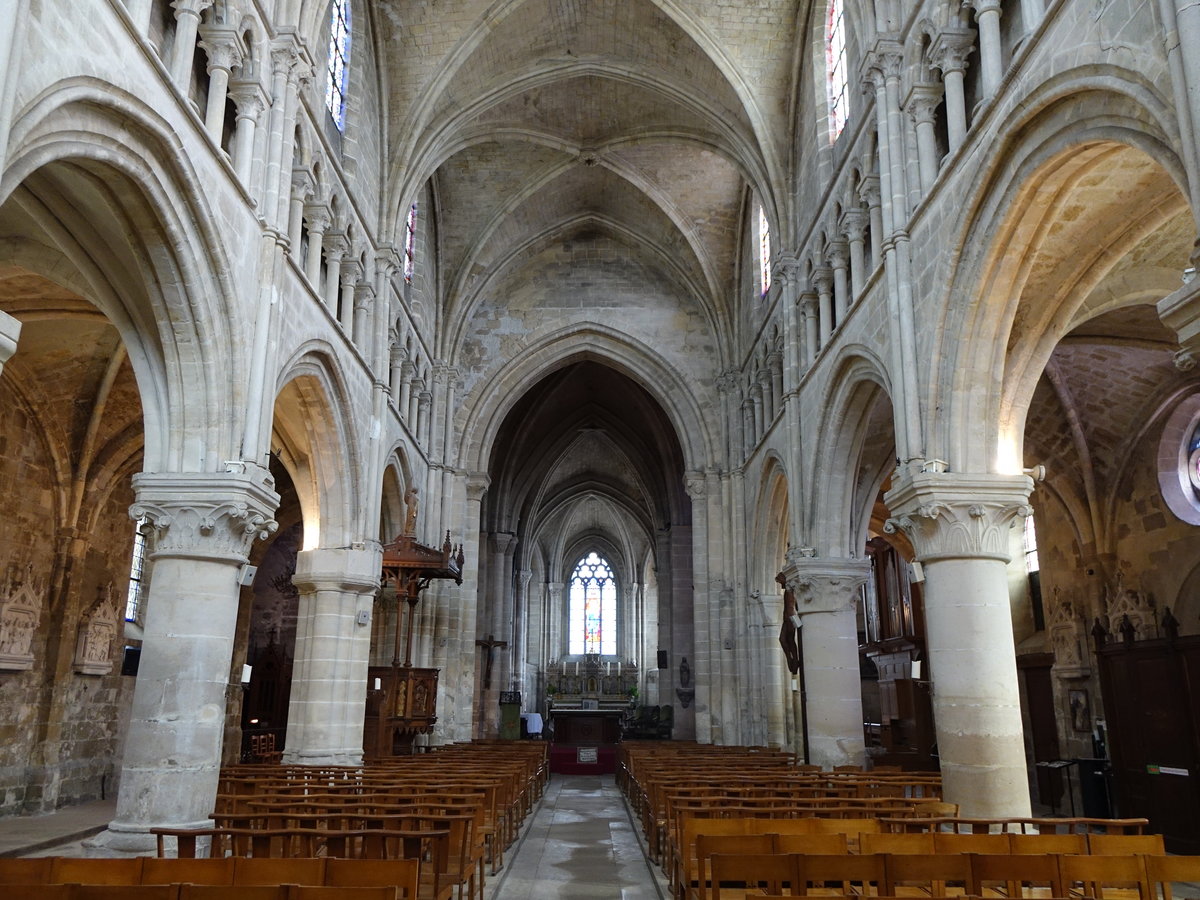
pixel 764 252
pixel 410 243
pixel 835 69
pixel 133 598
pixel 593 624
pixel 339 61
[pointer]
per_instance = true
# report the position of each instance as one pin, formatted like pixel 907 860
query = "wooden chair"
pixel 187 871
pixel 737 877
pixel 830 844
pixel 1009 874
pixel 403 874
pixel 1122 844
pixel 18 891
pixel 124 892
pixel 34 870
pixel 841 874
pixel 1047 843
pixel 99 871
pixel 1163 871
pixel 1101 877
pixel 893 842
pixel 321 892
pixel 188 841
pixel 926 875
pixel 707 845
pixel 970 843
pixel 265 870
pixel 233 892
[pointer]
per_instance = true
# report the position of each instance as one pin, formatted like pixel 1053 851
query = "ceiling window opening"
pixel 593 617
pixel 338 63
pixel 835 69
pixel 764 252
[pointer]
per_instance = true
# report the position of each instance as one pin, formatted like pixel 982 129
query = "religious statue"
pixel 410 518
pixel 787 631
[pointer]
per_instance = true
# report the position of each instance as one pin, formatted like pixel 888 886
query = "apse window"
pixel 1179 461
pixel 137 572
pixel 764 252
pixel 410 243
pixel 338 62
pixel 835 69
pixel 593 607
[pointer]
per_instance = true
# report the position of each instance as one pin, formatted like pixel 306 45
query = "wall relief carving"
pixel 94 639
pixel 20 611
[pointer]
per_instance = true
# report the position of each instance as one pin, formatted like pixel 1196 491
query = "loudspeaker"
pixel 664 661
pixel 129 662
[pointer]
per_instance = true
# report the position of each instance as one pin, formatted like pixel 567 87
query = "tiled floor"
pixel 581 843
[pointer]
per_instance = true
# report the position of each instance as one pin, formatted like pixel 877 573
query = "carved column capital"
pixel 854 224
pixel 477 485
pixel 808 304
pixel 786 269
pixel 823 278
pixel 922 102
pixel 249 98
pixel 1180 311
pixel 318 216
pixel 348 571
pixel 868 190
pixel 694 483
pixel 220 43
pixel 951 48
pixel 206 515
pixel 824 584
pixel 957 516
pixel 838 254
pixel 884 60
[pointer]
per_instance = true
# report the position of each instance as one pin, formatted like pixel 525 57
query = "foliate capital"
pixel 214 516
pixel 922 102
pixel 951 48
pixel 824 584
pixel 694 483
pixel 956 516
pixel 477 485
pixel 883 61
pixel 854 224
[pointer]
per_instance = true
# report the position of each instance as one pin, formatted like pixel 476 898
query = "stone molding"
pixel 824 585
pixel 1180 311
pixel 958 516
pixel 215 516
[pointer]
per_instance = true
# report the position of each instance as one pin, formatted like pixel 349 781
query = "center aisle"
pixel 581 843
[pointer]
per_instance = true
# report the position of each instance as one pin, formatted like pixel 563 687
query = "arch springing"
pixel 338 62
pixel 593 617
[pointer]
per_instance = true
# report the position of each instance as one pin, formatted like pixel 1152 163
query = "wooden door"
pixel 1152 700
pixel 1043 731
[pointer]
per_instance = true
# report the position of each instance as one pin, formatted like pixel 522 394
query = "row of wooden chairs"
pixel 744 872
pixel 401 878
pixel 194 892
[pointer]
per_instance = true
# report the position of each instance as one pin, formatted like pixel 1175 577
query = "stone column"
pixel 318 218
pixel 406 377
pixel 202 528
pixel 748 439
pixel 827 592
pixel 415 389
pixel 922 103
pixel 351 271
pixel 808 310
pixel 364 294
pixel 10 331
pixel 183 49
pixel 854 227
pixel 991 66
pixel 869 193
pixel 775 373
pixel 335 246
pixel 949 54
pixel 823 277
pixel 424 401
pixel 329 678
pixel 221 44
pixel 839 260
pixel 300 193
pixel 556 647
pixel 248 97
pixel 396 372
pixel 959 525
pixel 756 410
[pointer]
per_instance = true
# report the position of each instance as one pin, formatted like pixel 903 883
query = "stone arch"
pixel 1078 128
pixel 773 523
pixel 397 478
pixel 848 473
pixel 485 408
pixel 316 444
pixel 104 150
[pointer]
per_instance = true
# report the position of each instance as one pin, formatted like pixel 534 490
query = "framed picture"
pixel 1081 712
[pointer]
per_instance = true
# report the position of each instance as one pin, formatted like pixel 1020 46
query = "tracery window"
pixel 137 569
pixel 593 618
pixel 764 252
pixel 835 69
pixel 338 61
pixel 410 243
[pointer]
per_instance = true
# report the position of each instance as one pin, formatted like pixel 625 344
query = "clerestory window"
pixel 339 61
pixel 835 69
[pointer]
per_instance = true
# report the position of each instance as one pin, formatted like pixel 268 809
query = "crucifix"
pixel 491 644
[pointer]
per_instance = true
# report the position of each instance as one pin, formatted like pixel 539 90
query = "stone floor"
pixel 581 843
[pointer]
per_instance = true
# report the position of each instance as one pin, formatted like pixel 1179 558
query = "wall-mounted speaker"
pixel 664 661
pixel 129 662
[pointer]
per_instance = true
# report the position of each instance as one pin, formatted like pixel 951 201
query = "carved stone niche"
pixel 93 642
pixel 1137 607
pixel 1068 639
pixel 19 615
